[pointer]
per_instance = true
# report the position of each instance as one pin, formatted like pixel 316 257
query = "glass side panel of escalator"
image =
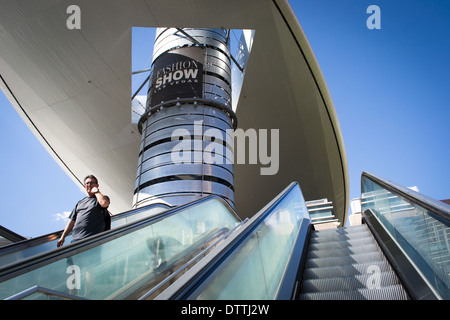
pixel 32 247
pixel 256 268
pixel 130 257
pixel 423 235
pixel 29 248
pixel 137 214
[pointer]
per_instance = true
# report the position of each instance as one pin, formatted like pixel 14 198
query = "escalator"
pixel 124 261
pixel 401 251
pixel 31 247
pixel 203 251
pixel 347 263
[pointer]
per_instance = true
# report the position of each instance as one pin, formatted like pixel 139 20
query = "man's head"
pixel 90 182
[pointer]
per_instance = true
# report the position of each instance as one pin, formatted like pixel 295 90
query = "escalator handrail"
pixel 39 260
pixel 32 242
pixel 46 291
pixel 438 209
pixel 195 276
pixel 29 243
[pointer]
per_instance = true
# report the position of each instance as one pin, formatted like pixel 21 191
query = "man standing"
pixel 88 216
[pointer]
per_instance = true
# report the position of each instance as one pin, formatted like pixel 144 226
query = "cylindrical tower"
pixel 186 147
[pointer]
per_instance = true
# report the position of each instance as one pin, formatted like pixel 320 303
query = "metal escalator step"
pixel 344 263
pixel 344 260
pixel 335 252
pixel 345 270
pixel 343 229
pixel 336 234
pixel 340 237
pixel 395 292
pixel 353 282
pixel 318 244
pixel 339 234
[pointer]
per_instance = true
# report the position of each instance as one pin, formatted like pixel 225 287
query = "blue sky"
pixel 389 86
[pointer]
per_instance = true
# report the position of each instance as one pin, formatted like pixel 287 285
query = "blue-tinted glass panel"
pixel 256 268
pixel 424 238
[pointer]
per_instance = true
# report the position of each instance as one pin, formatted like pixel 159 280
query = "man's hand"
pixel 60 242
pixel 65 233
pixel 102 199
pixel 94 190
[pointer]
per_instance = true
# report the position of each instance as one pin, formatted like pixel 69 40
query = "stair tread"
pixel 341 241
pixel 352 282
pixel 345 251
pixel 352 258
pixel 395 292
pixel 353 238
pixel 346 263
pixel 343 229
pixel 341 237
pixel 343 270
pixel 333 233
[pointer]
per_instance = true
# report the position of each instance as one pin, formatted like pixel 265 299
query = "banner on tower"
pixel 177 74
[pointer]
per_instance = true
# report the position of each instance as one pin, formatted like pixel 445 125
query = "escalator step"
pixel 340 242
pixel 347 229
pixel 395 292
pixel 344 263
pixel 343 230
pixel 345 270
pixel 335 252
pixel 360 281
pixel 340 235
pixel 344 260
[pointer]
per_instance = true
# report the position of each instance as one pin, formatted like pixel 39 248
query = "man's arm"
pixel 66 232
pixel 101 198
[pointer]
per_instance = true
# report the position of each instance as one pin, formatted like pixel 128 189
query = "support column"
pixel 186 148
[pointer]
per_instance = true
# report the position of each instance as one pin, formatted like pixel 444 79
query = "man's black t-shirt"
pixel 89 218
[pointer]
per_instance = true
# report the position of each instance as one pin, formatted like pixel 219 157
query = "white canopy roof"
pixel 73 89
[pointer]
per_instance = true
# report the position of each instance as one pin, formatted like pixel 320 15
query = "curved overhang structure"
pixel 73 88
